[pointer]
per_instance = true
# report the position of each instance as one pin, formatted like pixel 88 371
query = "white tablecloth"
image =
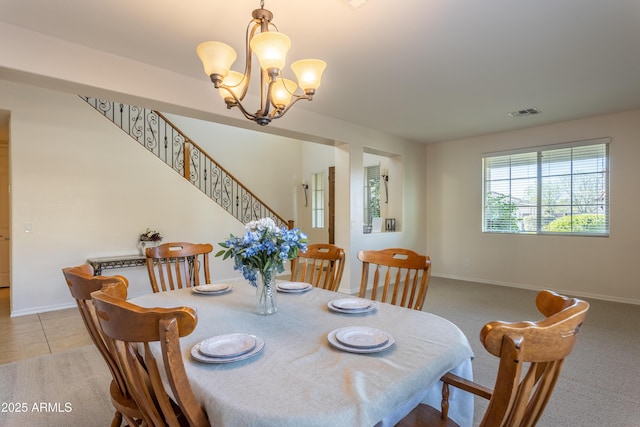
pixel 299 379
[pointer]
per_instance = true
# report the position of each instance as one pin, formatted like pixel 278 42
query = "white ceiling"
pixel 425 70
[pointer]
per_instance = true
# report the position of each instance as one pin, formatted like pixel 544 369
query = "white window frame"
pixel 317 200
pixel 520 179
pixel 371 193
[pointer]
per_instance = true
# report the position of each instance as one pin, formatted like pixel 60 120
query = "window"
pixel 371 193
pixel 558 189
pixel 317 200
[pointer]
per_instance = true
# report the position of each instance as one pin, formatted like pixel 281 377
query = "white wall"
pixel 587 266
pixel 88 190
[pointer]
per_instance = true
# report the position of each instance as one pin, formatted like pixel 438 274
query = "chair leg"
pixel 117 420
pixel 131 422
pixel 445 401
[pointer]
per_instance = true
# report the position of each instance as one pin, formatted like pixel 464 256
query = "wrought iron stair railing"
pixel 159 136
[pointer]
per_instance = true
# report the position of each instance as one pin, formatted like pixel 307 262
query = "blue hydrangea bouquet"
pixel 260 254
pixel 264 247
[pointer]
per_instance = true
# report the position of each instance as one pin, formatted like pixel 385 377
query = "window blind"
pixel 371 193
pixel 559 189
pixel 317 200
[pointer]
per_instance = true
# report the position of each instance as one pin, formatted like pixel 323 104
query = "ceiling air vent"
pixel 525 112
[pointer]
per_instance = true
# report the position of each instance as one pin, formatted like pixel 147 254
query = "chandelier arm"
pixel 282 112
pixel 251 30
pixel 237 103
pixel 247 114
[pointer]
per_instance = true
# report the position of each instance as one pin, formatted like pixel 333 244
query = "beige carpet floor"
pixel 600 382
pixel 599 386
pixel 62 389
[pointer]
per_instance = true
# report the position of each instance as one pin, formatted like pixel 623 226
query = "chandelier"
pixel 277 94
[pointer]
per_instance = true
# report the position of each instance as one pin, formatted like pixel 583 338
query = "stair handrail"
pixel 253 207
pixel 222 168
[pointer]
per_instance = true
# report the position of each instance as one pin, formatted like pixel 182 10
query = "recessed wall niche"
pixel 381 192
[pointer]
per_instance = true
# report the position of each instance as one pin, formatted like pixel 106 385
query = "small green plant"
pixel 587 223
pixel 500 214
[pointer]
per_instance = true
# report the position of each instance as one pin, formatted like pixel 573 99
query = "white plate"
pixel 334 342
pixel 351 304
pixel 230 345
pixel 362 337
pixel 371 306
pixel 197 355
pixel 293 287
pixel 214 288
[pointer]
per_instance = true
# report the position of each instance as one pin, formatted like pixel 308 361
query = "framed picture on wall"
pixel 390 224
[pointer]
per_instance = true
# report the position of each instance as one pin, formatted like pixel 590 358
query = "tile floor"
pixel 38 334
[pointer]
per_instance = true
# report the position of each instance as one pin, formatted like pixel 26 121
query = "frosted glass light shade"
pixel 216 57
pixel 271 48
pixel 309 72
pixel 281 92
pixel 235 83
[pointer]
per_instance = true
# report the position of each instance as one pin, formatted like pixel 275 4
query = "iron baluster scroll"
pixel 159 136
pixel 125 261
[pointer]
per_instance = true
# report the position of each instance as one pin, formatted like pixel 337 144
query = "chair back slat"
pixel 157 390
pixel 548 374
pixel 173 361
pixel 131 330
pixel 503 396
pixel 138 377
pixel 177 265
pixel 406 276
pixel 321 265
pixel 81 283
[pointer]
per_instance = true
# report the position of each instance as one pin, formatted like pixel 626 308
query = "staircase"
pixel 158 135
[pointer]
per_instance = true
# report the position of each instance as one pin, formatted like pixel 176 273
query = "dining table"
pixel 299 374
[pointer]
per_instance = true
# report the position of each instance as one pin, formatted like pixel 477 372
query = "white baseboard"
pixel 571 292
pixel 42 309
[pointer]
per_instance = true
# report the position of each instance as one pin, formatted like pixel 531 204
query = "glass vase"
pixel 266 302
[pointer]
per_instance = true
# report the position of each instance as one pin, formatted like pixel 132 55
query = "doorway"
pixel 5 234
pixel 332 205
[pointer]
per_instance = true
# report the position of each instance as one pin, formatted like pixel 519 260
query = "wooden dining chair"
pixel 402 274
pixel 531 358
pixel 82 283
pixel 178 265
pixel 131 330
pixel 321 266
